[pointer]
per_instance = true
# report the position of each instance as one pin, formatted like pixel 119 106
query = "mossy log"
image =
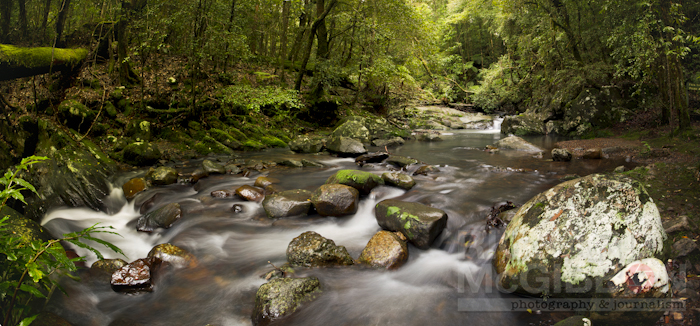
pixel 17 62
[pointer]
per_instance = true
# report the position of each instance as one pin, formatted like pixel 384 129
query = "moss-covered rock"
pixel 141 154
pixel 173 255
pixel 352 129
pixel 272 141
pixel 282 296
pixel 306 144
pixel 133 187
pixel 209 145
pixel 75 115
pixel 345 146
pixel 401 180
pixel 225 138
pixel 163 175
pixel 364 182
pixel 420 224
pixel 140 130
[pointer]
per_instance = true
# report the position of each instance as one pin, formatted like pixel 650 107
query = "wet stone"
pixel 109 265
pixel 163 217
pixel 173 255
pixel 421 224
pixel 163 176
pixel 335 200
pixel 364 182
pixel 400 180
pixel 237 208
pixel 212 167
pixel 281 297
pixel 384 250
pixel 425 169
pixel 400 161
pixel 374 157
pixel 249 193
pixel 263 182
pixel 561 155
pixel 223 193
pixel 314 164
pixel 287 203
pixel 310 249
pixel 593 154
pixel 133 278
pixel 132 187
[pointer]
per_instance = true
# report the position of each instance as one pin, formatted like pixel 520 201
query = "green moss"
pixel 356 176
pixel 251 144
pixel 235 133
pixel 272 141
pixel 40 56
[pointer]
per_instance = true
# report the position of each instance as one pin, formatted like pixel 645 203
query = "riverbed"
pixel 234 249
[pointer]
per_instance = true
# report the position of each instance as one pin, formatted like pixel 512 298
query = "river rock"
pixel 385 250
pixel 335 200
pixel 561 154
pixel 211 167
pixel 374 157
pixel 391 142
pixel 517 143
pixel 306 144
pixel 173 255
pixel 163 175
pixel 313 164
pixel 109 265
pixel 291 163
pixel 224 193
pixel 76 115
pixel 401 180
pixel 429 136
pixel 262 182
pixel 139 130
pixel 141 154
pixel 572 238
pixel 425 169
pixel 134 186
pixel 232 169
pixel 282 296
pixel 134 277
pixel 22 228
pixel 287 203
pixel 163 217
pixel 364 182
pixel 250 193
pixel 592 154
pixel 352 129
pixel 684 247
pixel 310 249
pixel 421 224
pixel 401 161
pixel 346 146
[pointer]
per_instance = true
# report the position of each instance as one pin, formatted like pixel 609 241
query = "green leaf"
pixel 27 321
pixel 30 289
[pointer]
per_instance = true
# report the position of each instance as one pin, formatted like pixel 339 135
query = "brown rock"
pixel 173 255
pixel 133 187
pixel 385 250
pixel 593 154
pixel 134 277
pixel 335 200
pixel 249 193
pixel 262 182
pixel 223 193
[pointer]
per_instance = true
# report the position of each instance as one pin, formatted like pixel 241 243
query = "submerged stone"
pixel 163 217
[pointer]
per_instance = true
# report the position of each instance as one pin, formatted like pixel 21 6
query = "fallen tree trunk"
pixel 16 62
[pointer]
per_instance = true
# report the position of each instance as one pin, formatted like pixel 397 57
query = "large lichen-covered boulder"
pixel 282 296
pixel 593 107
pixel 287 203
pixel 163 217
pixel 335 200
pixel 364 182
pixel 385 250
pixel 420 224
pixel 141 154
pixel 306 144
pixel 516 143
pixel 572 238
pixel 24 229
pixel 345 146
pixel 310 249
pixel 529 123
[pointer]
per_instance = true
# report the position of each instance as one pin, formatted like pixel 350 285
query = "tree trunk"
pixel 61 21
pixel 303 27
pixel 283 37
pixel 126 75
pixel 6 14
pixel 23 17
pixel 44 22
pixel 321 32
pixel 309 45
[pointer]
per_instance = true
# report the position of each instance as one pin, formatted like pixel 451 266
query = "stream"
pixel 233 249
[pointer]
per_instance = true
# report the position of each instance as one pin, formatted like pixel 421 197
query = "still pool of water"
pixel 234 249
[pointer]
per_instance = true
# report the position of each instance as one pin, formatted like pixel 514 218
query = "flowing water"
pixel 234 248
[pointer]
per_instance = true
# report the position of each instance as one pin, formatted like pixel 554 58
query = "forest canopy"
pixel 505 55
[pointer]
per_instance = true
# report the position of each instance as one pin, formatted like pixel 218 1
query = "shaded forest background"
pixel 373 54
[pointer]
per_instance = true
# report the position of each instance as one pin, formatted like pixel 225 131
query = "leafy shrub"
pixel 252 99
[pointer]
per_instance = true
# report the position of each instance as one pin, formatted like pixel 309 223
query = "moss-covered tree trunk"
pixel 17 62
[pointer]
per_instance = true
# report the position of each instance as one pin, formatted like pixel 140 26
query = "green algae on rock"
pixel 282 296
